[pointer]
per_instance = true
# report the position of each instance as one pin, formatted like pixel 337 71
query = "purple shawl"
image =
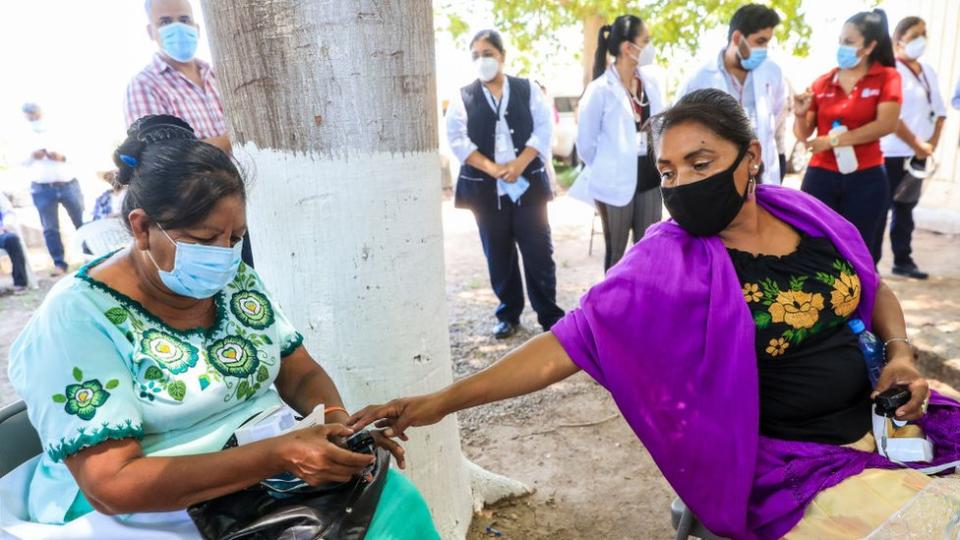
pixel 669 334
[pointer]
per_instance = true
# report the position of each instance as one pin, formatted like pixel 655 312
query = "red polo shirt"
pixel 853 110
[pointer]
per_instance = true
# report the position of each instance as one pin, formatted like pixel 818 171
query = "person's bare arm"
pixel 482 162
pixel 117 478
pixel 514 169
pixel 303 384
pixel 922 149
pixel 889 323
pixel 937 129
pixel 533 366
pixel 805 120
pixel 888 114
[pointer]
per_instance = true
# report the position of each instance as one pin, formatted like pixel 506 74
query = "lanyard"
pixel 922 79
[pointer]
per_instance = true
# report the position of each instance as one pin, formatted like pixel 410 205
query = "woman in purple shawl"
pixel 723 336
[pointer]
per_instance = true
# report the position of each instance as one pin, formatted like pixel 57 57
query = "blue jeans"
pixel 10 243
pixel 861 197
pixel 901 221
pixel 48 198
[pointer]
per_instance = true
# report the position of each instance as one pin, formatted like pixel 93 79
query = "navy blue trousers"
pixel 861 197
pixel 527 228
pixel 901 216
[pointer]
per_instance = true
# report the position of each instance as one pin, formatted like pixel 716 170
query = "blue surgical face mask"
pixel 847 57
pixel 199 271
pixel 179 41
pixel 757 56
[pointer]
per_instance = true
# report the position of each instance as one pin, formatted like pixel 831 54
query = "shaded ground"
pixel 593 478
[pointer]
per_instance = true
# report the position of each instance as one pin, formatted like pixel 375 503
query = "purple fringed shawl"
pixel 669 334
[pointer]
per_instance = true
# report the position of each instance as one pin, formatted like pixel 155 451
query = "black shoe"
pixel 504 330
pixel 910 271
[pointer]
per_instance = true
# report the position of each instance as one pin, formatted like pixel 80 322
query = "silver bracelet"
pixel 886 344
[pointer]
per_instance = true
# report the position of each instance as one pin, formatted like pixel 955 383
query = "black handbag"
pixel 337 511
pixel 911 185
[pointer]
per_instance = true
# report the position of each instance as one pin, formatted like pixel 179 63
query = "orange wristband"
pixel 329 410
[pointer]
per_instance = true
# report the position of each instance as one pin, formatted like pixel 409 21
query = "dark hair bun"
pixel 147 130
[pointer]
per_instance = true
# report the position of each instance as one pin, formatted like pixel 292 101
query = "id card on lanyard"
pixel 922 79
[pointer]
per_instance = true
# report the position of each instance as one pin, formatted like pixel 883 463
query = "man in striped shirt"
pixel 176 82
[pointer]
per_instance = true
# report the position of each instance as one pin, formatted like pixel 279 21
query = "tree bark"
pixel 591 27
pixel 331 105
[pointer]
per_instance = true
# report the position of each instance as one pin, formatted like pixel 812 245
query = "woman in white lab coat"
pixel 620 174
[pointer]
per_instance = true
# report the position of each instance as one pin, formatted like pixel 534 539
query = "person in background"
pixel 743 70
pixel 955 100
pixel 178 83
pixel 51 184
pixel 500 129
pixel 863 95
pixel 548 159
pixel 108 204
pixel 916 136
pixel 10 242
pixel 611 138
pixel 780 132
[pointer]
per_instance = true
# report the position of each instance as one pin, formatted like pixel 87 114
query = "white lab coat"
pixel 607 137
pixel 769 99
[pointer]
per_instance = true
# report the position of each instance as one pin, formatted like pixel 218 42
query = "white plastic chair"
pixel 101 237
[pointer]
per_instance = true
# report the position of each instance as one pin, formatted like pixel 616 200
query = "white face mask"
pixel 915 47
pixel 647 55
pixel 486 68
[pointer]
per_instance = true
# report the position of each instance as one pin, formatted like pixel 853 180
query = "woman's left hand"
pixel 820 144
pixel 900 370
pixel 513 170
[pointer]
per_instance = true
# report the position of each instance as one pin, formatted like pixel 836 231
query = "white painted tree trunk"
pixel 331 106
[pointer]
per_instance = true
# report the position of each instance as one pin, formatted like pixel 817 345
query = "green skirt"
pixel 402 514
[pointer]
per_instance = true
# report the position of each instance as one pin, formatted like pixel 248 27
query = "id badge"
pixel 641 143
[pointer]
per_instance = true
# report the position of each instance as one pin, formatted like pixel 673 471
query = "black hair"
pixel 872 25
pixel 904 26
pixel 492 37
pixel 174 177
pixel 714 109
pixel 752 18
pixel 609 38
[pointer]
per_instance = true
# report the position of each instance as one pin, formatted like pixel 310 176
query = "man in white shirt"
pixel 51 183
pixel 743 70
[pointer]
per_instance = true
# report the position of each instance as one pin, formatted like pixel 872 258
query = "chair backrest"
pixel 20 441
pixel 103 236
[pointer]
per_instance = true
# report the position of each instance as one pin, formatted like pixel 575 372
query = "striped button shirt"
pixel 161 89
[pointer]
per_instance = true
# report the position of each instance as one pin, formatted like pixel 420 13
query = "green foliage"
pixel 532 25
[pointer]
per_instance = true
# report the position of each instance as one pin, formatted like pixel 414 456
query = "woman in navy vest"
pixel 500 131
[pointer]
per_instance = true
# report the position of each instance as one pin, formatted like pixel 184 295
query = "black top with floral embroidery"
pixel 813 380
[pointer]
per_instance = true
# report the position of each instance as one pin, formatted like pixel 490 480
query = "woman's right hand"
pixel 312 454
pixel 399 414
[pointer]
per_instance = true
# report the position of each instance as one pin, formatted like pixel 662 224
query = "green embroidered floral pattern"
pixel 291 345
pixel 85 439
pixel 252 309
pixel 174 354
pixel 235 356
pixel 83 399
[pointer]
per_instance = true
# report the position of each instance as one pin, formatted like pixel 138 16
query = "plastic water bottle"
pixel 846 157
pixel 871 348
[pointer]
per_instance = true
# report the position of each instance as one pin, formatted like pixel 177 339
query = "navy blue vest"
pixel 476 189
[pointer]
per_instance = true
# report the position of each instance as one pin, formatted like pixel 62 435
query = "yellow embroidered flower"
pixel 751 292
pixel 799 309
pixel 777 347
pixel 846 294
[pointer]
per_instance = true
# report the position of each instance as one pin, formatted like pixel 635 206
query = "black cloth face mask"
pixel 706 207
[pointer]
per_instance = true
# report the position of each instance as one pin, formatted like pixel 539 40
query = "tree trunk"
pixel 591 27
pixel 331 105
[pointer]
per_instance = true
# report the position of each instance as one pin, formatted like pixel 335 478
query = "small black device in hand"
pixel 360 442
pixel 892 399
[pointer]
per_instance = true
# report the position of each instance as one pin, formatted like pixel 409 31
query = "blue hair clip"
pixel 129 160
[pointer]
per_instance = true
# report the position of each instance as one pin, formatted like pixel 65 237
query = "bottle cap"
pixel 857 326
pixel 836 124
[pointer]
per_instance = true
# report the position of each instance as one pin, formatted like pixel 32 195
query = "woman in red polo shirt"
pixel 862 94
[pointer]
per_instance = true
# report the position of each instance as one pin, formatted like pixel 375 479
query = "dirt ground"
pixel 593 479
